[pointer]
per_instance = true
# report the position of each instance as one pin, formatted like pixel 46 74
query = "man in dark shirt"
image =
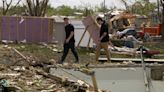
pixel 103 39
pixel 69 41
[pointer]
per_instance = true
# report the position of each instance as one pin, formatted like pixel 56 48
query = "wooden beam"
pixel 133 59
pixel 82 37
pixel 22 56
pixel 94 82
pixel 89 42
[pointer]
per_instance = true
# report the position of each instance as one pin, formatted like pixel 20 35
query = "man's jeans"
pixel 67 46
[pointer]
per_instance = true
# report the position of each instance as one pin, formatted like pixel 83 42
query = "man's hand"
pixel 99 39
pixel 67 41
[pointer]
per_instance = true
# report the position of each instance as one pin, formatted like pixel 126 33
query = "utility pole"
pixel 162 31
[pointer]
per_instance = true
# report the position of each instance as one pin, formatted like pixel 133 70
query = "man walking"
pixel 69 41
pixel 103 39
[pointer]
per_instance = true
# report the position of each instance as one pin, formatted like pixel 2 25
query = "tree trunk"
pixel 159 15
pixel 126 5
pixel 6 6
pixel 162 24
pixel 37 7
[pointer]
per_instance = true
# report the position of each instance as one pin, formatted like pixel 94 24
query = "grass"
pixel 42 53
pixel 38 52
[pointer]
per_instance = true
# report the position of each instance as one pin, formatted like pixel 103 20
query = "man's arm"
pixel 105 32
pixel 70 36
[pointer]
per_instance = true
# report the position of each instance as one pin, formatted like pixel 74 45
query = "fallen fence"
pixel 28 29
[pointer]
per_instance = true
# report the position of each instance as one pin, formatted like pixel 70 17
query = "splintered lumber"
pixel 10 74
pixel 47 75
pixel 19 53
pixel 24 57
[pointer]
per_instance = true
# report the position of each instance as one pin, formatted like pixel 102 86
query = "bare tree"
pixel 126 4
pixel 6 5
pixel 162 3
pixel 158 7
pixel 36 7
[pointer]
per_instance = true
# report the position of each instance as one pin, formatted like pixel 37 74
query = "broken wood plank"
pixel 82 37
pixel 47 75
pixel 132 59
pixel 10 74
pixel 22 56
pixel 15 50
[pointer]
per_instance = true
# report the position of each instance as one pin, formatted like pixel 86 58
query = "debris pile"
pixel 21 74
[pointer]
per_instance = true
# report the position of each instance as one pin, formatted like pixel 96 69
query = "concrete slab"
pixel 111 79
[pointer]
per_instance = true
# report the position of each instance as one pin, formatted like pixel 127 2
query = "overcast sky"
pixel 109 3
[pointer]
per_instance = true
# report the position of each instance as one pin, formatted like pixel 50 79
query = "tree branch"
pixel 7 6
pixel 17 4
pixel 29 4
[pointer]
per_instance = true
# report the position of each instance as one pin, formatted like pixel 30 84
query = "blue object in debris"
pixel 3 83
pixel 129 44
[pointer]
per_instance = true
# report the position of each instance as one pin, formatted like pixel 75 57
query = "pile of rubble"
pixel 23 79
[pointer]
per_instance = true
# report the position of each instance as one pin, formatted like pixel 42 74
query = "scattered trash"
pixel 80 82
pixel 48 91
pixel 91 54
pixel 21 21
pixel 44 44
pixel 126 69
pixel 125 62
pixel 24 41
pixel 22 47
pixel 10 74
pixel 55 46
pixel 128 62
pixel 55 50
pixel 4 83
pixel 52 61
pixel 5 46
pixel 20 68
pixel 6 41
